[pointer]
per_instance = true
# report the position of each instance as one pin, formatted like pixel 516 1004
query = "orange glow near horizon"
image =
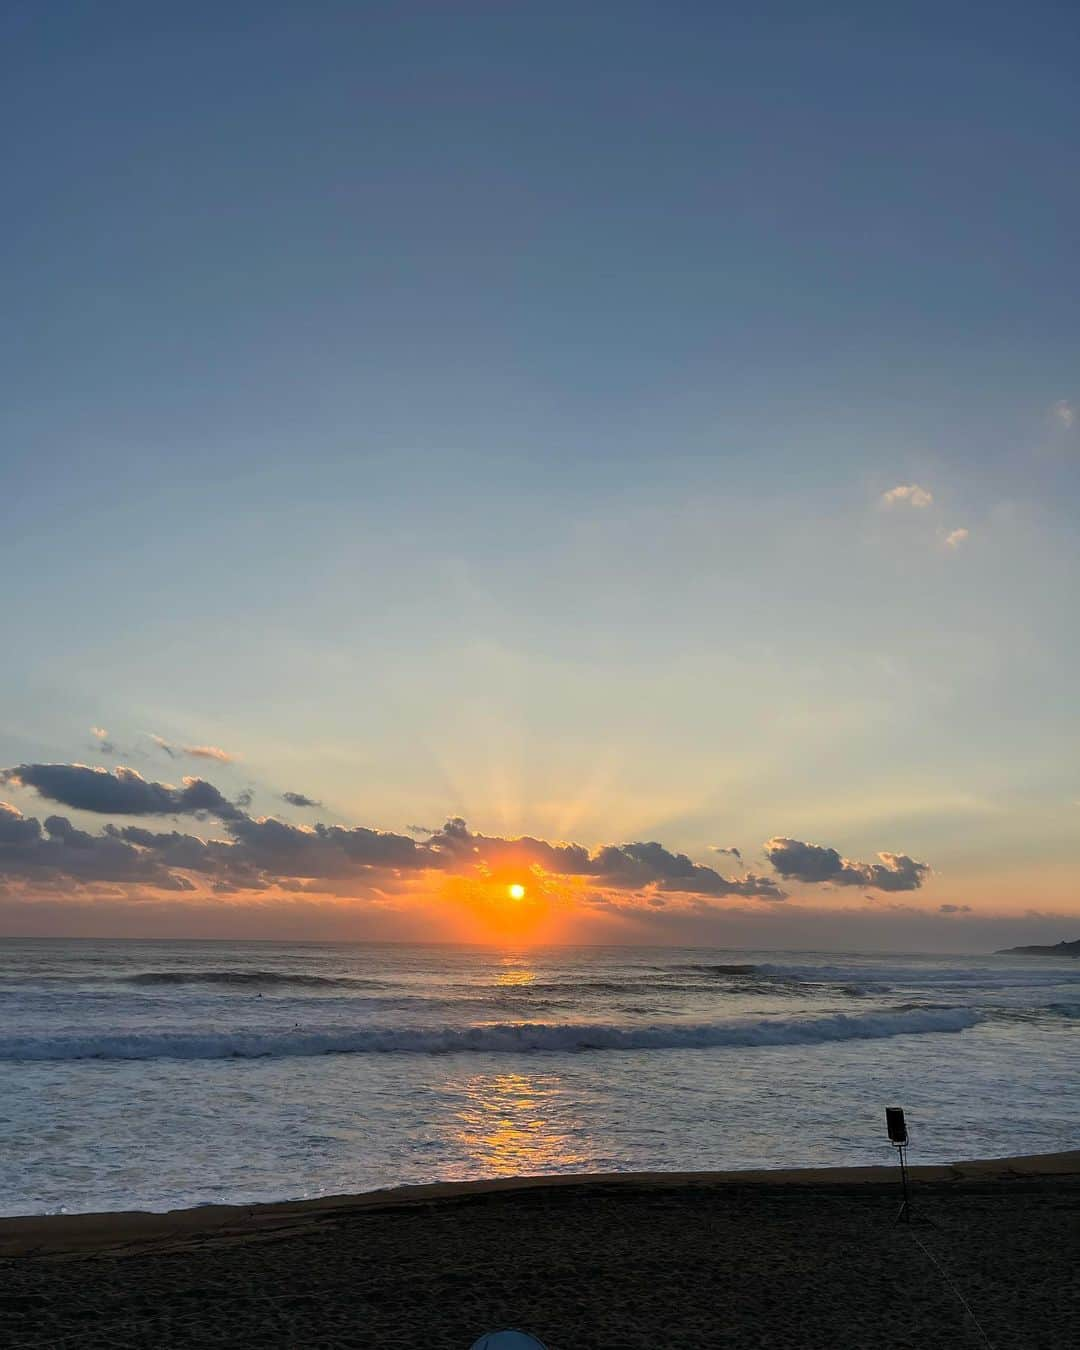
pixel 502 905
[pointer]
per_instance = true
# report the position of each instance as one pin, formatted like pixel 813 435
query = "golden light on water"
pixel 514 1124
pixel 516 891
pixel 509 979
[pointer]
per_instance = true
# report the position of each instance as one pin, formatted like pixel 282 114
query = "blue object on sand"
pixel 508 1340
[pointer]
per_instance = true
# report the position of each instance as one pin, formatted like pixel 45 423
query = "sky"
pixel 652 428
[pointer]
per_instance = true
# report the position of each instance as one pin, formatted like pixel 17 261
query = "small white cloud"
pixel 209 752
pixel 1064 413
pixel 99 733
pixel 195 751
pixel 907 494
pixel 955 538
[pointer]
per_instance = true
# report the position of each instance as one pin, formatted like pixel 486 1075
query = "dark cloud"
pixel 895 872
pixel 954 909
pixel 378 848
pixel 639 864
pixel 803 862
pixel 15 828
pixel 299 799
pixel 811 863
pixel 60 854
pixel 120 792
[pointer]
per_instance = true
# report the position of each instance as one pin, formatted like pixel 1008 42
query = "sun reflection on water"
pixel 514 1124
pixel 515 977
pixel 516 970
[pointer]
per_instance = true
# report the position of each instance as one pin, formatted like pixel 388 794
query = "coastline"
pixel 122 1232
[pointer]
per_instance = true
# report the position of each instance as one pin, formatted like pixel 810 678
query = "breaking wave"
pixel 494 1038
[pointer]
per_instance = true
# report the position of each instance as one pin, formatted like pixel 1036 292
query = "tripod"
pixel 903 1214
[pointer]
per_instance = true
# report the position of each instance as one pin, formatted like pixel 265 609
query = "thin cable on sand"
pixel 952 1285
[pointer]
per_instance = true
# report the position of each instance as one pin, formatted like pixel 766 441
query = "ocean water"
pixel 153 1075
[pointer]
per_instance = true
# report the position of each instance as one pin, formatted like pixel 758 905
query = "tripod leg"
pixel 903 1214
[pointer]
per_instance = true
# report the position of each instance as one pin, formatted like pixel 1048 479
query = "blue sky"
pixel 487 410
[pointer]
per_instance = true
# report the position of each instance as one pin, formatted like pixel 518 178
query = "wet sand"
pixel 739 1259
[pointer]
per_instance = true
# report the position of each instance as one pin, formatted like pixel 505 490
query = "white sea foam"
pixel 492 1038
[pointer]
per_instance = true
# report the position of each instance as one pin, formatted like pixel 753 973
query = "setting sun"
pixel 516 891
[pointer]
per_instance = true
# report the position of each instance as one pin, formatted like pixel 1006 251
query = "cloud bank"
pixel 265 854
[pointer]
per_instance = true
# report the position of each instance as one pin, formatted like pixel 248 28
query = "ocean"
pixel 152 1075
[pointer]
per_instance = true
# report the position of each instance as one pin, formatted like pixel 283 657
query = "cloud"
pixel 210 752
pixel 264 853
pixel 621 866
pixel 894 872
pixel 643 863
pixel 639 864
pixel 15 828
pixel 1064 413
pixel 103 743
pixel 812 864
pixel 731 850
pixel 300 799
pixel 59 854
pixel 954 909
pixel 258 853
pixel 803 862
pixel 907 494
pixel 920 498
pixel 213 752
pixel 121 791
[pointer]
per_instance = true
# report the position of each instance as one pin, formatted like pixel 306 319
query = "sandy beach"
pixel 793 1258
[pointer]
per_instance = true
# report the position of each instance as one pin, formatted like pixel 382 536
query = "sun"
pixel 516 891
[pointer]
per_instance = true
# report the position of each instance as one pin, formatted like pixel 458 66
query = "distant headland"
pixel 1058 949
